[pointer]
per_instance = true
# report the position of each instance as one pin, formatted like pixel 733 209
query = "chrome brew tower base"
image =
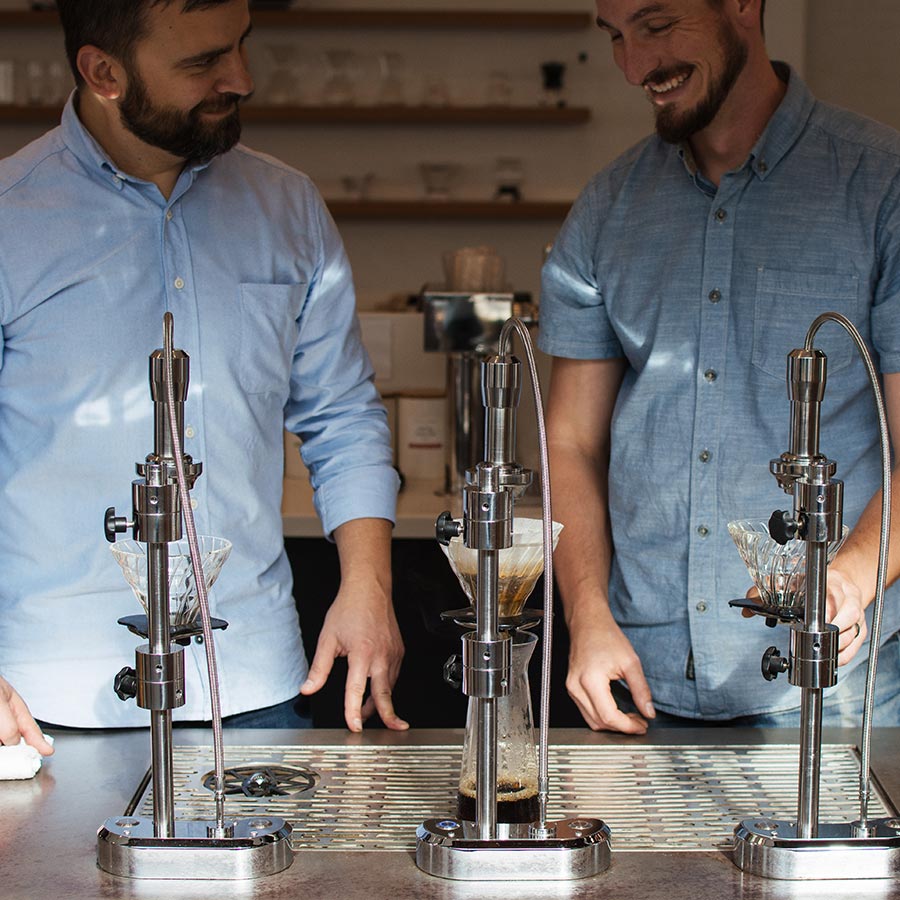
pixel 126 846
pixel 578 849
pixel 805 849
pixel 771 848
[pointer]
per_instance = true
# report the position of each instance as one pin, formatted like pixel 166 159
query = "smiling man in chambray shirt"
pixel 685 273
pixel 139 203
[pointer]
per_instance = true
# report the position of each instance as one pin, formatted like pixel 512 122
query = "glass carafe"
pixel 517 768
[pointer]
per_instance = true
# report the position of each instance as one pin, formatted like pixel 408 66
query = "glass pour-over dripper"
pixel 520 565
pixel 184 604
pixel 778 570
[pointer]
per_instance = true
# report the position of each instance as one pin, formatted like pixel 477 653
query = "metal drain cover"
pixel 652 797
pixel 265 780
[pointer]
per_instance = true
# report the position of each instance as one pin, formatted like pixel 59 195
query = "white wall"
pixel 393 259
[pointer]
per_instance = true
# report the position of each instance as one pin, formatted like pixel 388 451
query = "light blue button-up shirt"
pixel 246 258
pixel 704 291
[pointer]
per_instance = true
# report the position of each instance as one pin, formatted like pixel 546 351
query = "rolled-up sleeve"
pixel 334 406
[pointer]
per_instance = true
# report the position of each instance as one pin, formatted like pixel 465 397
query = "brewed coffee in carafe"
pixel 520 566
pixel 517 769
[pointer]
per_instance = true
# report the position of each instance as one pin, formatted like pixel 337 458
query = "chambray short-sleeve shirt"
pixel 704 291
pixel 247 259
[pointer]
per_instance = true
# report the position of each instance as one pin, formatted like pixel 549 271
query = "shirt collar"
pixel 786 125
pixel 780 134
pixel 94 158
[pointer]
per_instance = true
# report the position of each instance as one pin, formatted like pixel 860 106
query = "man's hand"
pixel 365 631
pixel 16 721
pixel 845 608
pixel 361 626
pixel 600 654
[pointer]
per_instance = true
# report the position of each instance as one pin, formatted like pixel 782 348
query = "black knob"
pixel 773 664
pixel 453 671
pixel 113 524
pixel 125 684
pixel 782 526
pixel 446 527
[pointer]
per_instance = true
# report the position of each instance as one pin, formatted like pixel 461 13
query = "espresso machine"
pixel 481 842
pixel 466 326
pixel 169 569
pixel 788 565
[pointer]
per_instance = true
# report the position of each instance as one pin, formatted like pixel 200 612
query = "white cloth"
pixel 20 760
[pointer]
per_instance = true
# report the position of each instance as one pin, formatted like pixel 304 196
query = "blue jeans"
pixel 841 709
pixel 293 713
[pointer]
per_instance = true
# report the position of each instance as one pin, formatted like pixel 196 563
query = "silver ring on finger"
pixel 858 629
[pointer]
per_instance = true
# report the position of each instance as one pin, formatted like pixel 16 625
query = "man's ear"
pixel 101 72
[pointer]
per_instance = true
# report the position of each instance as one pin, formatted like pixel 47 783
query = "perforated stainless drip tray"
pixel 676 798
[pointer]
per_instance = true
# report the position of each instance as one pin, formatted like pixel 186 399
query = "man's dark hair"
pixel 762 12
pixel 112 25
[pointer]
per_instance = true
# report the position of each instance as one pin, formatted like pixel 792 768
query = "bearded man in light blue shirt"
pixel 143 202
pixel 685 273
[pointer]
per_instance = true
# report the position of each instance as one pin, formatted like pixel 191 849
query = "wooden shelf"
pixel 25 115
pixel 26 18
pixel 255 113
pixel 366 18
pixel 448 210
pixel 417 115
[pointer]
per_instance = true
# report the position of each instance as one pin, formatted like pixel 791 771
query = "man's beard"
pixel 674 127
pixel 183 134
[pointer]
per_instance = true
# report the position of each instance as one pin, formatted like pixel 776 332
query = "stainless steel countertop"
pixel 48 831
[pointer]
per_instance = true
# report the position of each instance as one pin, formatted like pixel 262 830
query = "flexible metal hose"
pixel 883 545
pixel 517 325
pixel 200 581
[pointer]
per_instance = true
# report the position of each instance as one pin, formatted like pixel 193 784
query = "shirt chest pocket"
pixel 268 336
pixel 786 305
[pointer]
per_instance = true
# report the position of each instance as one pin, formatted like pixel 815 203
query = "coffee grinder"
pixel 805 849
pixel 474 844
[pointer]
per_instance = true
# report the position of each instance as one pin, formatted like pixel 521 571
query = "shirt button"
pixel 721 215
pixel 715 295
pixel 705 455
pixel 179 283
pixel 194 503
pixel 762 166
pixel 198 639
pixel 710 375
pixel 702 530
pixel 702 607
pixel 168 215
pixel 189 431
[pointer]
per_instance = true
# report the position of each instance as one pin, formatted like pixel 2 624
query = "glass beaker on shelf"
pixel 517 769
pixel 509 173
pixel 340 85
pixel 553 78
pixel 438 178
pixel 392 86
pixel 284 85
pixel 357 187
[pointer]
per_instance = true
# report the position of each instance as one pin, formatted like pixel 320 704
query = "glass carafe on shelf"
pixel 517 768
pixel 340 85
pixel 392 85
pixel 284 85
